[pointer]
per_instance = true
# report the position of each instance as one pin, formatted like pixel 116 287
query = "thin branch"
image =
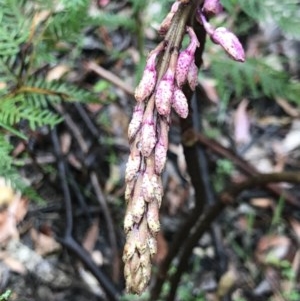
pixel 227 197
pixel 109 76
pixel 68 240
pixel 64 184
pixel 109 223
pixel 240 163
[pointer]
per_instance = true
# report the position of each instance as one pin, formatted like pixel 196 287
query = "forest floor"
pixel 68 243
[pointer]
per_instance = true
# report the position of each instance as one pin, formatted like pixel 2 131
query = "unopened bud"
pixel 229 42
pixel 147 83
pixel 148 138
pixel 128 222
pixel 141 236
pixel 138 208
pixel 148 188
pixel 164 93
pixel 152 244
pixel 132 166
pixel 161 148
pixel 212 7
pixel 160 157
pixel 153 217
pixel 136 120
pixel 145 260
pixel 158 190
pixel 165 25
pixel 193 76
pixel 129 248
pixel 129 189
pixel 185 58
pixel 180 104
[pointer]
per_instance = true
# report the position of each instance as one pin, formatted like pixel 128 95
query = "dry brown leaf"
pixel 14 210
pixel 66 141
pixel 296 227
pixel 292 139
pixel 287 107
pixel 209 86
pixel 242 123
pixel 12 263
pixel 91 236
pixel 275 247
pixel 57 72
pixel 44 244
pixel 262 202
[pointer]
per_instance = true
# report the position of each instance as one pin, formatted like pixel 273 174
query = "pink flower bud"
pixel 132 167
pixel 160 158
pixel 161 149
pixel 180 104
pixel 229 42
pixel 185 58
pixel 212 7
pixel 165 25
pixel 147 83
pixel 193 76
pixel 164 93
pixel 148 137
pixel 136 120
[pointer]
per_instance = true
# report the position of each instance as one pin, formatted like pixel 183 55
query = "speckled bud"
pixel 165 25
pixel 164 93
pixel 153 217
pixel 141 236
pixel 145 258
pixel 185 58
pixel 148 138
pixel 212 7
pixel 180 104
pixel 193 76
pixel 128 222
pixel 130 246
pixel 138 208
pixel 147 83
pixel 136 120
pixel 158 188
pixel 229 42
pixel 147 188
pixel 132 166
pixel 152 244
pixel 160 157
pixel 129 189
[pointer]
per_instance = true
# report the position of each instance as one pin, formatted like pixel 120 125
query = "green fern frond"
pixel 286 14
pixel 5 149
pixel 14 27
pixel 114 21
pixel 13 110
pixel 55 91
pixel 254 79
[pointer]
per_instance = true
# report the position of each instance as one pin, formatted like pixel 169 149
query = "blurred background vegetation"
pixel 50 52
